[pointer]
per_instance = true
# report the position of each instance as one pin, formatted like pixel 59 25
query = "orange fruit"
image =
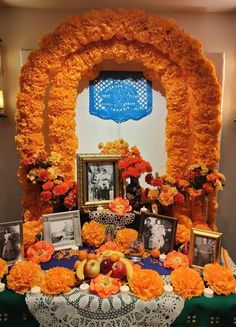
pixel 136 267
pixel 82 254
pixel 76 264
pixel 91 256
pixel 114 257
pixel 155 253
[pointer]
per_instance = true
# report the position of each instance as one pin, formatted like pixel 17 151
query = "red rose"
pixel 45 196
pixel 60 189
pixel 48 186
pixel 69 201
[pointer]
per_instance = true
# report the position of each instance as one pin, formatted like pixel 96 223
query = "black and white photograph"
pixel 11 241
pixel 158 232
pixel 62 229
pixel 100 181
pixel 204 247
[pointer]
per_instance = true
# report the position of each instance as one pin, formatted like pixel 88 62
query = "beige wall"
pixel 20 28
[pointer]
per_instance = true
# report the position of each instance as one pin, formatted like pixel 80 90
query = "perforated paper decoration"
pixel 120 96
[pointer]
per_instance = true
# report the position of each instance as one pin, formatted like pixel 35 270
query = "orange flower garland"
pixel 182 234
pixel 219 278
pixel 146 284
pixel 175 260
pixel 104 286
pixel 58 280
pixel 93 233
pixel 125 236
pixel 186 282
pixel 3 268
pixel 23 276
pixel 84 41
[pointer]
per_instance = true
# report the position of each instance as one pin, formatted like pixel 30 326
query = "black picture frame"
pixel 158 231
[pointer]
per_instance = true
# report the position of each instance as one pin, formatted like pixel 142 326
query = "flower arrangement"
pixel 93 233
pixel 23 276
pixel 175 260
pixel 53 188
pixel 119 146
pixel 3 268
pixel 58 280
pixel 120 206
pixel 186 282
pixel 41 251
pixel 133 167
pixel 125 236
pixel 146 284
pixel 104 286
pixel 219 278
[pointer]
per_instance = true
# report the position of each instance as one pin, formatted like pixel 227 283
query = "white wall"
pixel 21 28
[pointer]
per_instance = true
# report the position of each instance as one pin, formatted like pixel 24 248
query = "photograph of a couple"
pixel 100 182
pixel 158 233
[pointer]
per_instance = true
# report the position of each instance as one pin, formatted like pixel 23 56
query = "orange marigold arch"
pixel 76 47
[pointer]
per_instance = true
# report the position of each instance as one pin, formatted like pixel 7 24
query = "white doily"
pixel 87 310
pixel 110 218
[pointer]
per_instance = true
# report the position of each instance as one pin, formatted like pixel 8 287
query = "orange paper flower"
pixel 219 278
pixel 146 284
pixel 23 276
pixel 175 260
pixel 186 282
pixel 42 251
pixel 111 245
pixel 3 268
pixel 104 286
pixel 93 233
pixel 58 280
pixel 120 206
pixel 125 236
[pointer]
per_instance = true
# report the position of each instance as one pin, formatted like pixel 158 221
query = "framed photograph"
pixel 62 229
pixel 99 180
pixel 11 242
pixel 204 247
pixel 158 232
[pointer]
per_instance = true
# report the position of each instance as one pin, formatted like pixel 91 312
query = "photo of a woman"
pixel 10 241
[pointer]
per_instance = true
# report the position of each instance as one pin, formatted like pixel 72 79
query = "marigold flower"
pixel 43 175
pixel 183 183
pixel 60 189
pixel 125 236
pixel 201 225
pixel 69 201
pixel 207 187
pixel 104 286
pixel 182 234
pixel 184 220
pixel 30 230
pixel 23 276
pixel 3 268
pixel 120 206
pixel 45 196
pixel 146 284
pixel 186 282
pixel 48 186
pixel 153 194
pixel 93 233
pixel 58 280
pixel 179 198
pixel 42 251
pixel 219 278
pixel 175 260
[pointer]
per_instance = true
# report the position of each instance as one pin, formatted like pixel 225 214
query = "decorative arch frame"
pixel 49 83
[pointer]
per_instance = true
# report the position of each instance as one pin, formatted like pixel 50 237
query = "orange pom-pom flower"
pixel 58 280
pixel 125 236
pixel 3 268
pixel 93 233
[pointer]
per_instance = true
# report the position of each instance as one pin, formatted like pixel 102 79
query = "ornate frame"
pixel 82 180
pixel 204 234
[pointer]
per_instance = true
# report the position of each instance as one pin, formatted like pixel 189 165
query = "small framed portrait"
pixel 204 247
pixel 11 242
pixel 99 180
pixel 62 229
pixel 158 232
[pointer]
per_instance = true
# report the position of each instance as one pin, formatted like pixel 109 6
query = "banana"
pixel 80 270
pixel 129 268
pixel 108 253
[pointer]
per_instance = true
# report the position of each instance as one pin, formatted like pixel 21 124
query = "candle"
pixel 208 292
pixel 124 289
pixel 162 257
pixel 35 290
pixel 168 289
pixel 2 287
pixel 100 208
pixel 143 209
pixel 84 288
pixel 74 247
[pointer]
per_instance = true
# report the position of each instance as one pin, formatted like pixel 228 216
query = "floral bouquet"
pixel 119 146
pixel 133 167
pixel 53 188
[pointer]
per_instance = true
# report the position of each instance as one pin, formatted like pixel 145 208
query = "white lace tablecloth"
pixel 87 310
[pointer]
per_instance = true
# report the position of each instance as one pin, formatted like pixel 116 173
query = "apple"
pixel 118 270
pixel 106 265
pixel 92 268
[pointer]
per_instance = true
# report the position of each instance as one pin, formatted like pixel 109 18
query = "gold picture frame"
pixel 99 180
pixel 204 247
